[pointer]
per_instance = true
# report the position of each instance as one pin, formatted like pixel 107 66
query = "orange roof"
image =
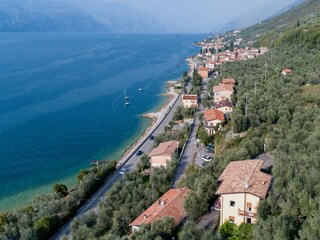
pixel 223 103
pixel 287 70
pixel 202 68
pixel 244 177
pixel 166 148
pixel 228 81
pixel 213 114
pixel 190 97
pixel 169 205
pixel 223 87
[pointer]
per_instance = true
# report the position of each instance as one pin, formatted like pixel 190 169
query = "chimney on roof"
pixel 161 203
pixel 263 183
pixel 180 190
pixel 246 185
pixel 144 216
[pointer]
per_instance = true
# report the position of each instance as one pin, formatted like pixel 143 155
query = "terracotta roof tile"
pixel 223 87
pixel 203 69
pixel 287 70
pixel 170 204
pixel 223 103
pixel 244 177
pixel 213 114
pixel 228 81
pixel 190 97
pixel 165 148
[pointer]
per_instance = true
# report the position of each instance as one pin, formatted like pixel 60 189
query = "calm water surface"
pixel 62 102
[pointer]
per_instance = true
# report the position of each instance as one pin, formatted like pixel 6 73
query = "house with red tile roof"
pixel 169 205
pixel 223 92
pixel 204 72
pixel 224 106
pixel 162 154
pixel 211 119
pixel 190 100
pixel 229 81
pixel 286 71
pixel 242 185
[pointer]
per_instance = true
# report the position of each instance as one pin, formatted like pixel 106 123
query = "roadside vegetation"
pixel 46 214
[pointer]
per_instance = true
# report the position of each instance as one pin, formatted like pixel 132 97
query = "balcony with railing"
pixel 247 213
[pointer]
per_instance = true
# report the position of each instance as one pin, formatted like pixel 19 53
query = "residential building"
pixel 211 64
pixel 162 154
pixel 190 100
pixel 169 205
pixel 223 92
pixel 224 106
pixel 211 119
pixel 286 71
pixel 242 185
pixel 229 81
pixel 263 50
pixel 203 72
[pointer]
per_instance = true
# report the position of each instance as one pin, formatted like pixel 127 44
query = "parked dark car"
pixel 151 137
pixel 139 153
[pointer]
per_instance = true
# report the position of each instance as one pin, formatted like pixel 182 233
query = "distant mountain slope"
pixel 306 13
pixel 119 17
pixel 286 9
pixel 73 16
pixel 15 18
pixel 258 12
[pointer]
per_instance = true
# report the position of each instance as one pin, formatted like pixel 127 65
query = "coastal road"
pixel 129 162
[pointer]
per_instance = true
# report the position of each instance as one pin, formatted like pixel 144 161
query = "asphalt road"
pixel 130 164
pixel 192 153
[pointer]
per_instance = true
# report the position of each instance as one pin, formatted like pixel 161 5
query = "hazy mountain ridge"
pixel 71 16
pixel 256 14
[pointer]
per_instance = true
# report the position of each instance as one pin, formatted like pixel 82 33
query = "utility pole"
pixel 246 110
pixel 255 88
pixel 265 72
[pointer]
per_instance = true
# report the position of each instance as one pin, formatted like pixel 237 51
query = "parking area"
pixel 201 151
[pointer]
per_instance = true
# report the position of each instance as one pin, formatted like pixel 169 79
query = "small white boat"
pixel 127 104
pixel 140 89
pixel 125 95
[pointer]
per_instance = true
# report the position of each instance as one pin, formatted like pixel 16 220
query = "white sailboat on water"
pixel 126 98
pixel 125 95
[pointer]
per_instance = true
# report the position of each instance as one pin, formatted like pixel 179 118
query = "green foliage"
pixel 46 226
pixel 243 232
pixel 227 230
pixel 45 214
pixel 203 136
pixel 163 227
pixel 194 205
pixel 190 231
pixel 61 189
pixel 144 163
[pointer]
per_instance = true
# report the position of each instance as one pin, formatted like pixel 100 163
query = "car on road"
pixel 151 137
pixel 209 151
pixel 139 153
pixel 123 171
pixel 210 146
pixel 206 158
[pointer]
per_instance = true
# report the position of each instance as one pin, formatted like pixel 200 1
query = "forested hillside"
pixel 267 31
pixel 284 111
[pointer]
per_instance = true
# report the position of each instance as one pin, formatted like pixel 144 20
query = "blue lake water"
pixel 62 102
